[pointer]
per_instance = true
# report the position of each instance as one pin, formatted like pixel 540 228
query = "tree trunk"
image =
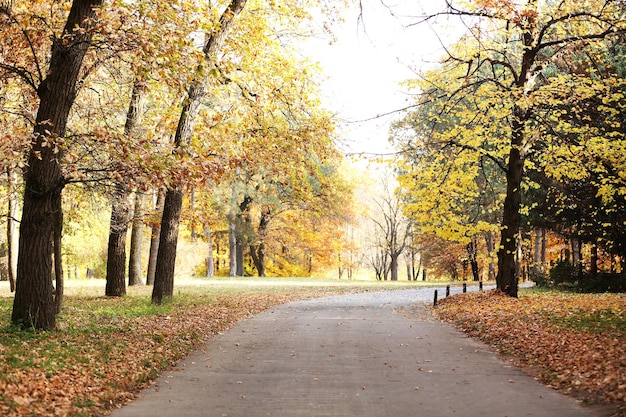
pixel 258 251
pixel 136 242
pixel 243 233
pixel 519 260
pixel 116 254
pixel 543 250
pixel 239 248
pixel 34 304
pixel 394 267
pixel 12 235
pixel 472 253
pixel 232 247
pixel 506 280
pixel 164 274
pixel 593 263
pixel 163 289
pixel 491 247
pixel 58 262
pixel 537 250
pixel 192 208
pixel 154 240
pixel 134 119
pixel 210 263
pixel 576 257
pixel 258 257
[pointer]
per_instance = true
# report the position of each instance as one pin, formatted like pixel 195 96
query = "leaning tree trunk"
pixel 164 279
pixel 34 304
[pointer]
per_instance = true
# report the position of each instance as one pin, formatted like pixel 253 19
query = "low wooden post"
pixel 447 291
pixel 464 287
pixel 435 300
pixel 480 286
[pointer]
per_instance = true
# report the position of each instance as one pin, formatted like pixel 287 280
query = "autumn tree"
pixel 393 228
pixel 34 303
pixel 265 191
pixel 500 76
pixel 120 212
pixel 241 77
pixel 581 195
pixel 164 273
pixel 81 145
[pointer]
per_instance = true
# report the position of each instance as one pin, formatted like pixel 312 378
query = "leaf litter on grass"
pixel 575 343
pixel 101 356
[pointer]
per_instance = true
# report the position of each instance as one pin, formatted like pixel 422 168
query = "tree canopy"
pixel 111 97
pixel 528 99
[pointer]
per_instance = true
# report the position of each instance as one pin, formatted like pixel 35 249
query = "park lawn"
pixel 106 349
pixel 575 343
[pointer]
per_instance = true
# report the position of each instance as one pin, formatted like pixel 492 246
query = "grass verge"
pixel 575 343
pixel 106 349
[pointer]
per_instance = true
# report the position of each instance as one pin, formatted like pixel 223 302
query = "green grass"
pixel 108 346
pixel 592 321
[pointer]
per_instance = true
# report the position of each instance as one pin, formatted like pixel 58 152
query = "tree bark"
pixel 472 252
pixel 543 250
pixel 120 208
pixel 136 242
pixel 164 277
pixel 394 267
pixel 506 280
pixel 34 304
pixel 239 248
pixel 593 263
pixel 12 235
pixel 192 207
pixel 163 289
pixel 537 250
pixel 243 228
pixel 120 215
pixel 258 257
pixel 232 247
pixel 210 263
pixel 58 262
pixel 154 240
pixel 257 251
pixel 116 254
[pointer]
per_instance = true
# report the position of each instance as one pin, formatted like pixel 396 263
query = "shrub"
pixel 563 273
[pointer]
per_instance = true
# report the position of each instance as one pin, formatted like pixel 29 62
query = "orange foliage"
pixel 116 357
pixel 572 342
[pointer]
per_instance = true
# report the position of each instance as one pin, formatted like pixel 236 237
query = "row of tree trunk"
pixel 36 304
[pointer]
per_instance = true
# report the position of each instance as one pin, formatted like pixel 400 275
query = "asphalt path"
pixel 368 355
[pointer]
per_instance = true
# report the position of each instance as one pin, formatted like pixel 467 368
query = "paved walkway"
pixel 365 355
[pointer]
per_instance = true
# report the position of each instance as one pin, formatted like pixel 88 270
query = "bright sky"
pixel 367 63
